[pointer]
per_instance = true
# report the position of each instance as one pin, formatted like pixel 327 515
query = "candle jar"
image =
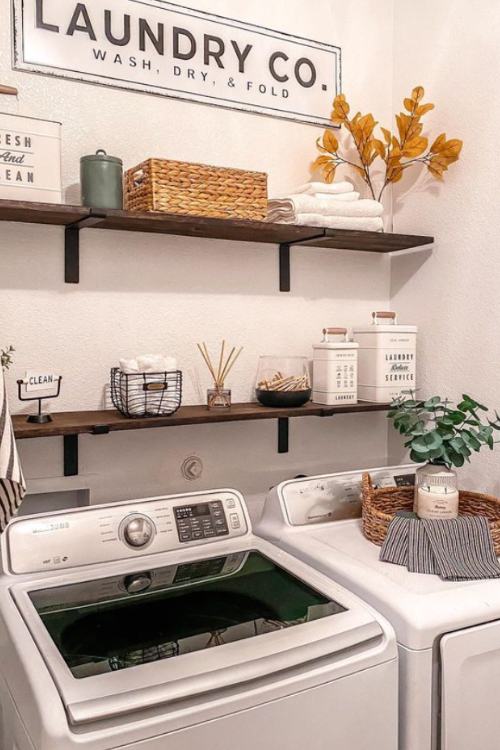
pixel 218 397
pixel 436 492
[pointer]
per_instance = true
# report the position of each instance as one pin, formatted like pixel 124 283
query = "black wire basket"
pixel 151 394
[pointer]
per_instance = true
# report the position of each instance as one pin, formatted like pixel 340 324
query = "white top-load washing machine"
pixel 448 633
pixel 164 622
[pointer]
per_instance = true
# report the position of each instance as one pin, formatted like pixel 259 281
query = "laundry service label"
pixel 163 48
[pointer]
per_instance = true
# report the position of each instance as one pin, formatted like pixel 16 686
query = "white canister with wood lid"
pixel 335 369
pixel 387 358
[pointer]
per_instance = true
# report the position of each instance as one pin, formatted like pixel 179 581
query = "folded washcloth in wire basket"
pixel 459 549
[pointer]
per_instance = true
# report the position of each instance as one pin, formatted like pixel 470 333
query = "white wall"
pixel 451 48
pixel 142 293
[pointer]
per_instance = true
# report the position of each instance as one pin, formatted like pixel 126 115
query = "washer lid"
pixel 105 638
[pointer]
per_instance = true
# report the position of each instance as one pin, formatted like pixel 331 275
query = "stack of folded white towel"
pixel 334 206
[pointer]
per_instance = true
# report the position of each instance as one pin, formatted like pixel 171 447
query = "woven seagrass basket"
pixel 178 187
pixel 381 505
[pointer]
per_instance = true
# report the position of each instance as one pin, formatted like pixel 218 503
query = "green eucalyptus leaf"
pixel 456 459
pixel 457 417
pixel 429 441
pixel 471 440
pixel 418 458
pixel 474 403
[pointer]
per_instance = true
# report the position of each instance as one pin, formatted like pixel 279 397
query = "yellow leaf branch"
pixel 399 152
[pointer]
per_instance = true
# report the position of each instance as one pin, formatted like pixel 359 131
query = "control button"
pixel 185 537
pixel 235 520
pixel 231 503
pixel 138 531
pixel 221 532
pixel 208 533
pixel 134 584
pixel 198 535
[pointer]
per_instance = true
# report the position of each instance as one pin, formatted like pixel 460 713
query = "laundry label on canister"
pixel 40 381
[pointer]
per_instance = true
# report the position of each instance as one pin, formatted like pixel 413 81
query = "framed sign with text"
pixel 163 48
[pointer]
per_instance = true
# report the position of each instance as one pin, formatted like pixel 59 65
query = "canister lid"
pixel 101 156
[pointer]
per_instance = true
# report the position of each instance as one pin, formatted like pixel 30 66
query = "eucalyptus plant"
pixel 6 358
pixel 440 432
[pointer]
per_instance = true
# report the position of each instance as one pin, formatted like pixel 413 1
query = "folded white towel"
pixel 310 204
pixel 326 188
pixel 372 224
pixel 148 363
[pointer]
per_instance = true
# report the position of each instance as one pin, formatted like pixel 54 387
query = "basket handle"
pixel 367 486
pixel 138 178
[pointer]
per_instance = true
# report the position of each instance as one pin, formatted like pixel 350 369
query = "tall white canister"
pixel 387 358
pixel 335 369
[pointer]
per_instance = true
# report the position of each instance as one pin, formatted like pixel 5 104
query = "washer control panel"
pixel 201 521
pixel 120 531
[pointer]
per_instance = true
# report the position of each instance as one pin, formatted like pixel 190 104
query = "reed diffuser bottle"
pixel 219 397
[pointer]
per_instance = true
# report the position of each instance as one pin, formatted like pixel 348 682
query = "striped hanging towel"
pixel 12 486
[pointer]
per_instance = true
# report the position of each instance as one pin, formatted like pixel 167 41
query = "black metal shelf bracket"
pixel 284 259
pixel 70 449
pixel 70 455
pixel 283 434
pixel 72 244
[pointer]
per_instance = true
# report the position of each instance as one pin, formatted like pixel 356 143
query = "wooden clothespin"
pixel 8 90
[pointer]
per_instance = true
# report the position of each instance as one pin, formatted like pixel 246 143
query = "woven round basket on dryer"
pixel 381 505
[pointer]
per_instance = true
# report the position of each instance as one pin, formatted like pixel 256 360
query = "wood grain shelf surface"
pixel 205 228
pixel 109 420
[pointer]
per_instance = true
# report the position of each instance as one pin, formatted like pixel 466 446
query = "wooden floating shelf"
pixel 71 424
pixel 109 420
pixel 75 218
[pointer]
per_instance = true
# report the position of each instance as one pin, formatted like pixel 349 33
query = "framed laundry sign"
pixel 163 48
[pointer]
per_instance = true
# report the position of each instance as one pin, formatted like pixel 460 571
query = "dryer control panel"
pixel 335 497
pixel 121 531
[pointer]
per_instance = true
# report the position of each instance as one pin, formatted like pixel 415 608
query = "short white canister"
pixel 335 369
pixel 387 358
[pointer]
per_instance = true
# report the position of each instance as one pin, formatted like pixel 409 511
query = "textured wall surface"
pixel 453 292
pixel 142 293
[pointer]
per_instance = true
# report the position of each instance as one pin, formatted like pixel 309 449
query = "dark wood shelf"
pixel 75 218
pixel 70 424
pixel 109 420
pixel 371 242
pixel 41 213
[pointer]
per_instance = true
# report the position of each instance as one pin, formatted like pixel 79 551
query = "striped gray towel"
pixel 460 549
pixel 12 486
pixel 463 548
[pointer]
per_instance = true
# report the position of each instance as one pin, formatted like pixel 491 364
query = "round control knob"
pixel 135 584
pixel 138 531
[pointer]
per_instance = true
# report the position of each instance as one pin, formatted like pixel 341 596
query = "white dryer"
pixel 448 633
pixel 165 623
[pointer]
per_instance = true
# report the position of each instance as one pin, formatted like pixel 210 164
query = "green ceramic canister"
pixel 101 179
